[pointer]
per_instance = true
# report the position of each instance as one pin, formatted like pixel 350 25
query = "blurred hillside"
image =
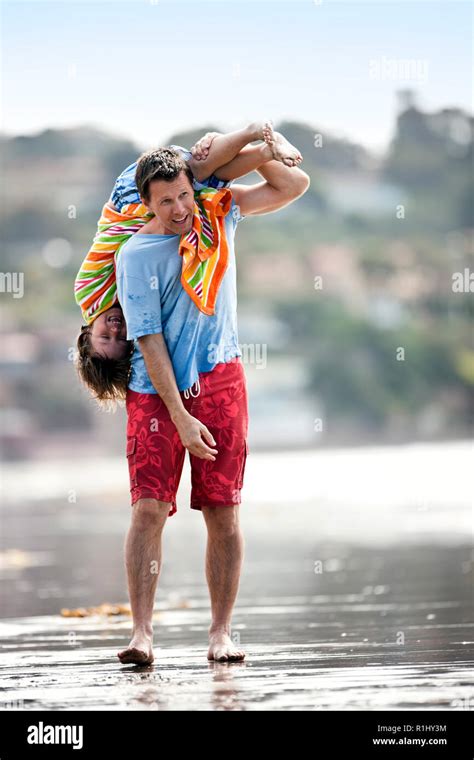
pixel 383 235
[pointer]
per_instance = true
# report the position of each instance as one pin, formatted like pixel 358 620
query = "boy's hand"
pixel 200 150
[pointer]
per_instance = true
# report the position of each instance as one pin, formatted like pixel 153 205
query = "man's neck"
pixel 155 227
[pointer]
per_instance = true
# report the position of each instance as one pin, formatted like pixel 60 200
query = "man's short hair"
pixel 162 163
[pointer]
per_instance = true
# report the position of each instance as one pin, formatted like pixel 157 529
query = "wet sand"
pixel 378 620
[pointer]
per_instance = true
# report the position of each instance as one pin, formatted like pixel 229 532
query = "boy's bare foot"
pixel 256 130
pixel 139 651
pixel 282 150
pixel 222 649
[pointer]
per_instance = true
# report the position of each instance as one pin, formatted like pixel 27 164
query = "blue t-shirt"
pixel 153 301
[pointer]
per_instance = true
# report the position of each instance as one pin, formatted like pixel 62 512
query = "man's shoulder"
pixel 126 249
pixel 126 257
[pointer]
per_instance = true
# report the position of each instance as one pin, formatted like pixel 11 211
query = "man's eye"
pixel 185 193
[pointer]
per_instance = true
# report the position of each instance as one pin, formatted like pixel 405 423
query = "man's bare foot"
pixel 222 648
pixel 282 150
pixel 139 651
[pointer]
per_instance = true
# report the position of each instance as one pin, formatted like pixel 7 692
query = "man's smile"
pixel 181 221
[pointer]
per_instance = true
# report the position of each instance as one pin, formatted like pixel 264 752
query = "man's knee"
pixel 150 512
pixel 222 521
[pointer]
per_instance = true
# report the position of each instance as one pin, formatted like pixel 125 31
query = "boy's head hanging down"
pixel 104 353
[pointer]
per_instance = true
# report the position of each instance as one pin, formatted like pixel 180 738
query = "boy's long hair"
pixel 106 379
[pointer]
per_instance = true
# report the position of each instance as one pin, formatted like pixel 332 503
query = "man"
pixel 103 352
pixel 184 342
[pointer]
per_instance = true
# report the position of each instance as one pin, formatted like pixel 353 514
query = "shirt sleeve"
pixel 141 306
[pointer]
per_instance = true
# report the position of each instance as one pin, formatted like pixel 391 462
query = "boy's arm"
pixel 160 369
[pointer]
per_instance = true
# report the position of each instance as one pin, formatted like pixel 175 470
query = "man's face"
pixel 108 334
pixel 172 203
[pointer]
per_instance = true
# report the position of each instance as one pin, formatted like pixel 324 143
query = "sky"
pixel 145 69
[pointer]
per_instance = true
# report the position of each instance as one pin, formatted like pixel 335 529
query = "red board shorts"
pixel 156 455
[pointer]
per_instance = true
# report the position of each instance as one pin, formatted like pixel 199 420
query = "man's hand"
pixel 200 150
pixel 160 369
pixel 192 432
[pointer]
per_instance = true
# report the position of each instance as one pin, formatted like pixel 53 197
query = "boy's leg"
pixel 276 147
pixel 252 157
pixel 224 149
pixel 249 159
pixel 244 158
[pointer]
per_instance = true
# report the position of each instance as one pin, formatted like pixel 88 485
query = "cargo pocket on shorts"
pixel 242 469
pixel 132 460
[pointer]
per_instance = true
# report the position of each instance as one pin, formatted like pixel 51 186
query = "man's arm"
pixel 141 306
pixel 283 185
pixel 160 369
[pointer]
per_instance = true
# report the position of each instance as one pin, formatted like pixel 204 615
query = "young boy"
pixel 104 352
